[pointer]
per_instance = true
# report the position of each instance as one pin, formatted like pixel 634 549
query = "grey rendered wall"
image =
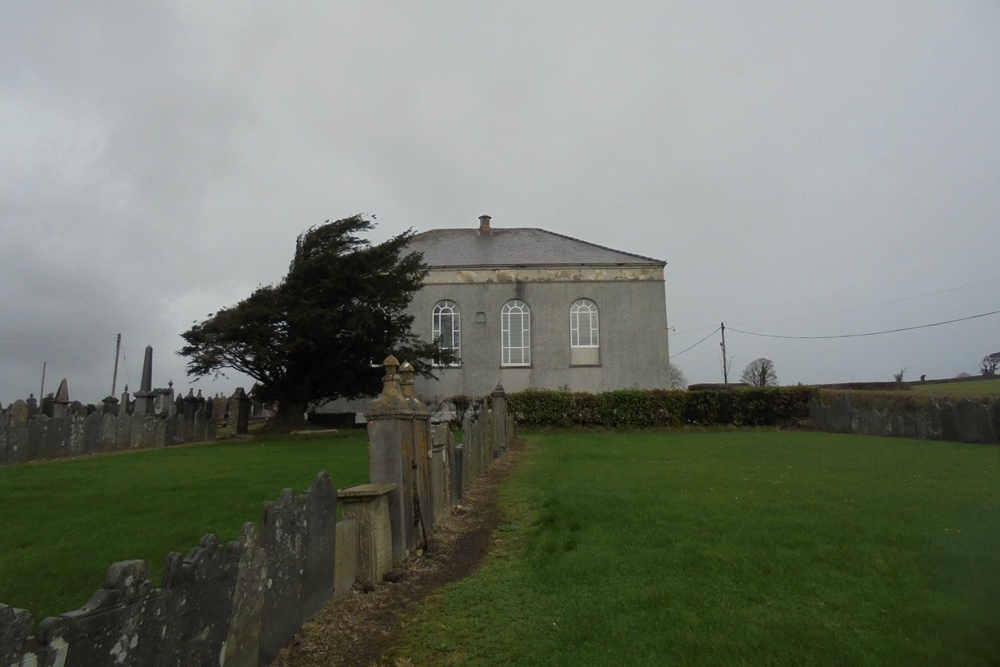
pixel 633 335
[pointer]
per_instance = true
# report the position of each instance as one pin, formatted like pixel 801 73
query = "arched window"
pixel 515 334
pixel 584 333
pixel 447 330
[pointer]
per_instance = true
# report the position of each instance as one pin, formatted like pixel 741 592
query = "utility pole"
pixel 725 365
pixel 41 392
pixel 114 378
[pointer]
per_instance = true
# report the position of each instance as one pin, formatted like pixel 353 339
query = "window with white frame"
pixel 447 329
pixel 515 334
pixel 584 333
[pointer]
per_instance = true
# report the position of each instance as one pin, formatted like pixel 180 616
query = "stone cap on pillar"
pixel 391 400
pixel 499 391
pixel 361 492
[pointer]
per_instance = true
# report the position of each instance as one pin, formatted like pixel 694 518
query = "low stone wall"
pixel 963 421
pixel 235 604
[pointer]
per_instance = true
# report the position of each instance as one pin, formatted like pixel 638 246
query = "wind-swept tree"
pixel 989 364
pixel 676 377
pixel 321 332
pixel 760 373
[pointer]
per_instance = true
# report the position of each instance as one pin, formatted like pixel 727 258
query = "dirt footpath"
pixel 358 628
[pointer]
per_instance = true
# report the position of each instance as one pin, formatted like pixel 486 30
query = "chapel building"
pixel 531 308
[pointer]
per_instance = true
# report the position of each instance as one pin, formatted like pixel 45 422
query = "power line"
pixel 52 337
pixel 849 310
pixel 674 356
pixel 870 333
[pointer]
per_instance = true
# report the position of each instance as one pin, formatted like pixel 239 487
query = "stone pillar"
pixel 368 504
pixel 390 456
pixel 144 398
pixel 190 406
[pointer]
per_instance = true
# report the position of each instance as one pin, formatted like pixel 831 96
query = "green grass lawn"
pixel 64 522
pixel 979 387
pixel 722 548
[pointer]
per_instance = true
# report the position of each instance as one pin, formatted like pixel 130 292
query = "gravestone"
pixel 199 587
pixel 93 432
pixel 116 626
pixel 182 429
pixel 282 538
pixel 319 515
pixel 219 405
pixel 109 432
pixel 17 432
pixel 123 431
pixel 243 641
pixel 200 426
pixel 239 412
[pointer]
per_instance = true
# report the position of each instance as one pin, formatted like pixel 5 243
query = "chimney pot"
pixel 484 223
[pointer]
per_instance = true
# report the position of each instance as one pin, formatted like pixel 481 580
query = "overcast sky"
pixel 806 169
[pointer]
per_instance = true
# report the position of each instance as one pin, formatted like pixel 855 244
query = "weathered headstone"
pixel 123 431
pixel 282 538
pixel 319 515
pixel 239 412
pixel 109 432
pixel 243 641
pixel 92 433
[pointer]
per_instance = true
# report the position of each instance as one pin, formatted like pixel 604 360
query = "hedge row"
pixel 634 408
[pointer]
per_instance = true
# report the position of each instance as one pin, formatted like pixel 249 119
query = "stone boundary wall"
pixel 235 604
pixel 963 421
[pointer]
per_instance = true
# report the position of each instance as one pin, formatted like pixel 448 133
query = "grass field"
pixel 64 522
pixel 745 547
pixel 990 386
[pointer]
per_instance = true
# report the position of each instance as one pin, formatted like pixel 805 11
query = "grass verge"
pixel 748 547
pixel 65 522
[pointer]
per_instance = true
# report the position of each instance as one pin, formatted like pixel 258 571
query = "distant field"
pixel 990 386
pixel 62 523
pixel 731 548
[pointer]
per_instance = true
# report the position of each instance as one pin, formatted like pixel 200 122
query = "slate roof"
pixel 525 246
